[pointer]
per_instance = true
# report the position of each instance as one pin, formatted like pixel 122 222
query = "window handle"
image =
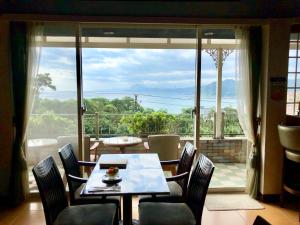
pixel 83 109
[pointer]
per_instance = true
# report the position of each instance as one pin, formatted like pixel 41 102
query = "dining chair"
pixel 165 145
pixel 55 202
pixel 89 148
pixel 187 213
pixel 178 183
pixel 75 181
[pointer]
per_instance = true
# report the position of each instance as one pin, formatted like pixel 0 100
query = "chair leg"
pixel 96 154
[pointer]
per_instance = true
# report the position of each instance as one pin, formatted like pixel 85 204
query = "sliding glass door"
pixel 221 135
pixel 138 80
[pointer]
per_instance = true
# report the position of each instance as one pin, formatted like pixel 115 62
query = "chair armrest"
pixel 86 163
pixel 77 179
pixel 177 177
pixel 146 145
pixel 94 146
pixel 169 162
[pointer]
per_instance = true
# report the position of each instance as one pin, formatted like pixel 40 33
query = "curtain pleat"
pixel 19 55
pixel 248 69
pixel 255 57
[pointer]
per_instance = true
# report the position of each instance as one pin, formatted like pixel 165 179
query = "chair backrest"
pixel 260 221
pixel 71 166
pixel 51 189
pixel 165 145
pixel 73 140
pixel 289 137
pixel 198 186
pixel 185 164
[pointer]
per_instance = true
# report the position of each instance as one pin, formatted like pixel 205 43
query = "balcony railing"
pixel 115 124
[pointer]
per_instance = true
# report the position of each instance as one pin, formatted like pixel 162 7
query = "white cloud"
pixel 117 50
pixel 110 63
pixel 62 79
pixel 187 54
pixel 150 82
pixel 101 85
pixel 65 60
pixel 172 74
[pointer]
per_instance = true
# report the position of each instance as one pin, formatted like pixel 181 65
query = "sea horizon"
pixel 170 100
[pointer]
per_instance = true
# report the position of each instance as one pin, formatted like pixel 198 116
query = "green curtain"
pixel 255 57
pixel 19 50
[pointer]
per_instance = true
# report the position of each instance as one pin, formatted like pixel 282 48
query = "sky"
pixel 168 74
pixel 153 68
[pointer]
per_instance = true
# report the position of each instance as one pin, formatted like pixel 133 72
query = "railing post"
pixel 218 126
pixel 97 125
pixel 222 125
pixel 215 126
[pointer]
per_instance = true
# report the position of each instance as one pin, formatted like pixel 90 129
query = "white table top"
pixel 122 141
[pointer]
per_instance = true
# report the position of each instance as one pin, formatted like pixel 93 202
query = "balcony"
pixel 228 154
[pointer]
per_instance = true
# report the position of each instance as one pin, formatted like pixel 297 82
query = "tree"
pixel 42 81
pixel 148 123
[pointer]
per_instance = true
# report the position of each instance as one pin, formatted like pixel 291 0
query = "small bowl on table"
pixel 112 176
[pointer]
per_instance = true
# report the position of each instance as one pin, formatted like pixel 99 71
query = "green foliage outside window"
pixel 124 116
pixel 121 117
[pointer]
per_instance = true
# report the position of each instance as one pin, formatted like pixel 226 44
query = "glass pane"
pixel 53 121
pixel 291 80
pixel 229 101
pixel 294 36
pixel 292 52
pixel 290 95
pixel 208 92
pixel 298 80
pixel 292 65
pixel 144 87
pixel 297 95
pixel 290 109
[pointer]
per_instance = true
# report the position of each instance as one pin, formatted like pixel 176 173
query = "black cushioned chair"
pixel 177 184
pixel 188 213
pixel 76 182
pixel 55 202
pixel 260 221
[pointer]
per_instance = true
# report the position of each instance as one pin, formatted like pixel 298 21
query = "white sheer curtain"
pixel 34 37
pixel 245 106
pixel 244 84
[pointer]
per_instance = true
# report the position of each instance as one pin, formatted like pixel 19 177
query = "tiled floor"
pixel 229 175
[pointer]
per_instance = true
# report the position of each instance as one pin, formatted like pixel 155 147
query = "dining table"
pixel 143 175
pixel 122 142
